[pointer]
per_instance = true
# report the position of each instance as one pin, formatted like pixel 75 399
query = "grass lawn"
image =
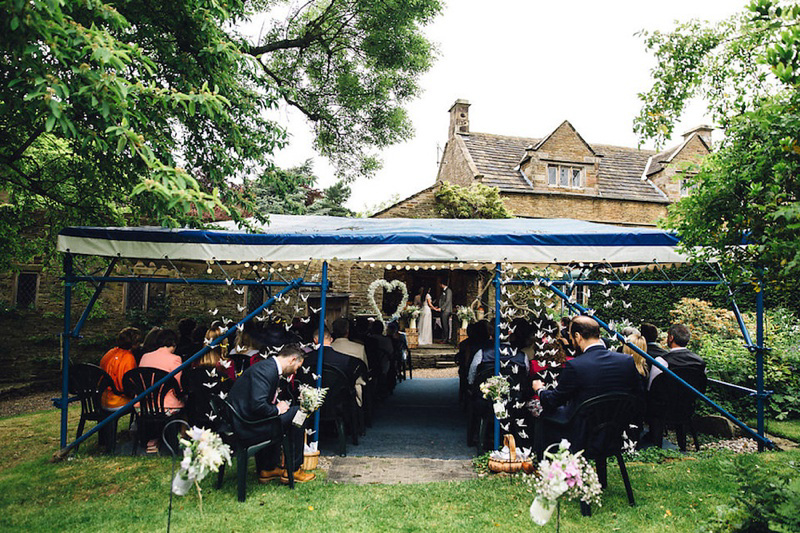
pixel 788 429
pixel 94 493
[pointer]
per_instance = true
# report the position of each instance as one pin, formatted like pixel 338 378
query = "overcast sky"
pixel 525 66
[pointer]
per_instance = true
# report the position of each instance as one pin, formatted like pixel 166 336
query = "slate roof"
pixel 497 158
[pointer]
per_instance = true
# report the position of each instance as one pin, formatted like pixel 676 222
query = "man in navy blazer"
pixel 595 372
pixel 254 395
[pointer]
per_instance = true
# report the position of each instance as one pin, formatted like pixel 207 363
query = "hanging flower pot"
pixel 181 485
pixel 541 510
pixel 500 409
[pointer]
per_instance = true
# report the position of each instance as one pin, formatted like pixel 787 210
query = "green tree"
pixel 144 110
pixel 475 201
pixel 292 192
pixel 748 71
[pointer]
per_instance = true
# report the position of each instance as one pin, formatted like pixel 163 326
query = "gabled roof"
pixel 497 158
pixel 664 158
pixel 620 169
pixel 566 124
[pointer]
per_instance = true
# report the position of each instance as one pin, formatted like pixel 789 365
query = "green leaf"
pixel 49 123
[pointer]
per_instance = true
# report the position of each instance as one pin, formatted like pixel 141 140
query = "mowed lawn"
pixel 93 492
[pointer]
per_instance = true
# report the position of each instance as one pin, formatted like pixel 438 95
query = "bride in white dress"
pixel 425 322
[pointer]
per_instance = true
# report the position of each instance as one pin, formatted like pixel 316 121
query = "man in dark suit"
pixel 595 372
pixel 350 366
pixel 650 334
pixel 446 308
pixel 254 395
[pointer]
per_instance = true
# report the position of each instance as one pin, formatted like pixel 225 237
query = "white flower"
pixel 564 444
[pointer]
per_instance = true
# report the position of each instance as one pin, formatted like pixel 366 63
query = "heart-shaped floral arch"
pixel 390 286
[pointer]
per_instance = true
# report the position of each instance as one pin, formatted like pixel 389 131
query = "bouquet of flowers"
pixel 311 399
pixel 496 389
pixel 203 452
pixel 562 473
pixel 465 313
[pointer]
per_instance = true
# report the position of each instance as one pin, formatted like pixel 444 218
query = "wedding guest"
pixel 641 363
pixel 340 329
pixel 116 362
pixel 164 358
pixel 185 346
pixel 254 396
pixel 149 344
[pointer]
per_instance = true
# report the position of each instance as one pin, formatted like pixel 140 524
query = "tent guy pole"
pixel 65 338
pixel 497 295
pixel 323 292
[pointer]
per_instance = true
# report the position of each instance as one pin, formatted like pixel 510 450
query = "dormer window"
pixel 565 176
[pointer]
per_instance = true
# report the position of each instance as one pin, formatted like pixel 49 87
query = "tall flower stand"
pixel 412 338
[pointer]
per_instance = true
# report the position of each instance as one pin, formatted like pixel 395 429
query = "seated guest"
pixel 549 359
pixel 149 344
pixel 254 396
pixel 164 358
pixel 116 362
pixel 650 334
pixel 678 357
pixel 509 353
pixel 379 351
pixel 351 367
pixel 246 344
pixel 661 395
pixel 185 346
pixel 340 329
pixel 203 379
pixel 641 363
pixel 594 372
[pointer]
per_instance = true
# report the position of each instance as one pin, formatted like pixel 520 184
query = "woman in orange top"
pixel 116 362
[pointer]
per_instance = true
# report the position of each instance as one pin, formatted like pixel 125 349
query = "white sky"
pixel 525 66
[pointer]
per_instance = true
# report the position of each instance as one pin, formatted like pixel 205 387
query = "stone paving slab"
pixel 394 470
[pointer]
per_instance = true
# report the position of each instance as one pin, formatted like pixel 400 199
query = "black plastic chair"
pixel 198 387
pixel 672 404
pixel 88 382
pixel 244 450
pixel 340 405
pixel 601 422
pixel 479 411
pixel 152 414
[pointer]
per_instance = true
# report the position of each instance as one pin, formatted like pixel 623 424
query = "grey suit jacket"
pixel 446 303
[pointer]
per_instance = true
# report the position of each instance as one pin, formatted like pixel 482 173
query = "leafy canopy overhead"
pixel 144 110
pixel 747 69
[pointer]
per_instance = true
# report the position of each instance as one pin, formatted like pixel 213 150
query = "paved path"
pixel 418 436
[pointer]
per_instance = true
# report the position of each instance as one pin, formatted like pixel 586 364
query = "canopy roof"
pixel 303 238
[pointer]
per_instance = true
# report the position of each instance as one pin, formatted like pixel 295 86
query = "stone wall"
pixel 419 205
pixel 456 165
pixel 580 207
pixel 692 153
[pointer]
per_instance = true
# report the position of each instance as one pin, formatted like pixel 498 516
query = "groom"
pixel 446 306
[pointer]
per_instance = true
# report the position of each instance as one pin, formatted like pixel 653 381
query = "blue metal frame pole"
pixel 760 396
pixel 65 338
pixel 93 299
pixel 322 302
pixel 497 296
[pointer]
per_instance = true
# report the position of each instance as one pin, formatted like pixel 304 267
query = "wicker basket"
pixel 311 460
pixel 513 464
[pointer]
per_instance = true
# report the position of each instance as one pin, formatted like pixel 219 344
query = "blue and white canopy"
pixel 304 238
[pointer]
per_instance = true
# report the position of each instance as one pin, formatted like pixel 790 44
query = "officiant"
pixel 446 307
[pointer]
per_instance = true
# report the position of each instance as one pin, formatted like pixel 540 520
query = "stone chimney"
pixel 459 118
pixel 703 130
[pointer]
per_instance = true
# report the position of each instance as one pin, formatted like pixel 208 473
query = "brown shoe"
pixel 301 476
pixel 265 476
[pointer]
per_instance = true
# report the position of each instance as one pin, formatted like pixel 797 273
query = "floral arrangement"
pixel 309 400
pixel 562 473
pixel 410 312
pixel 465 313
pixel 203 452
pixel 496 389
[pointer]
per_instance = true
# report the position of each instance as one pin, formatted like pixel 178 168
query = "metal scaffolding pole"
pixel 322 302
